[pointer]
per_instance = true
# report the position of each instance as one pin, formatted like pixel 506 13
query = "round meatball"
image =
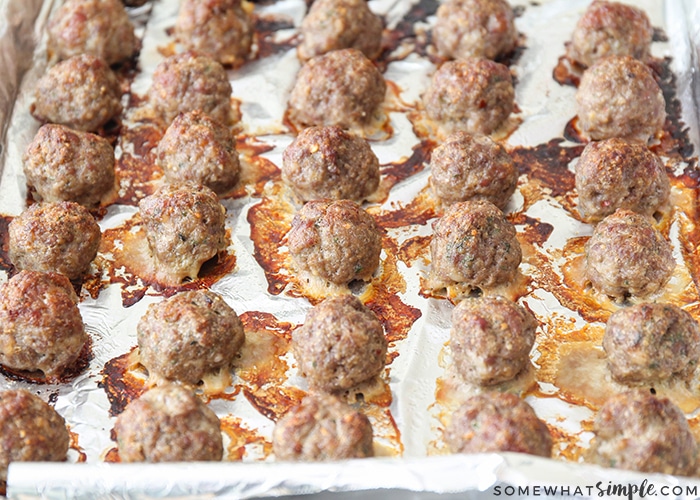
pixel 615 173
pixel 466 167
pixel 220 29
pixel 98 27
pixel 190 81
pixel 198 149
pixel 474 244
pixel 30 431
pixel 626 256
pixel 80 92
pixel 610 29
pixel 341 87
pixel 491 339
pixel 651 342
pixel 168 424
pixel 638 431
pixel 340 345
pixel 188 336
pixel 57 237
pixel 340 24
pixel 497 421
pixel 327 162
pixel 473 95
pixel 619 97
pixel 475 28
pixel 62 164
pixel 321 428
pixel 185 227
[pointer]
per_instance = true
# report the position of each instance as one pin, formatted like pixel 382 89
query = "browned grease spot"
pixel 135 170
pixel 121 383
pixel 567 72
pixel 413 249
pixel 75 446
pixel 533 231
pixel 393 173
pixel 5 263
pixel 417 212
pixel 242 438
pixel 273 402
pixel 266 27
pixel 112 456
pixel 256 171
pixel 261 360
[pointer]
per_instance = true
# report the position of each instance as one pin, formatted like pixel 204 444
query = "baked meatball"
pixel 615 173
pixel 638 431
pixel 473 95
pixel 190 81
pixel 497 421
pixel 340 345
pixel 466 167
pixel 619 97
pixel 62 164
pixel 340 24
pixel 168 424
pixel 57 237
pixel 474 28
pixel 185 227
pixel 327 162
pixel 188 336
pixel 626 256
pixel 80 92
pixel 341 87
pixel 220 29
pixel 474 244
pixel 322 427
pixel 199 149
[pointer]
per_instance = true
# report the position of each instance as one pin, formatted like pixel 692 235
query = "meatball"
pixel 322 427
pixel 168 424
pixel 340 24
pixel 491 339
pixel 30 431
pixel 98 27
pixel 474 244
pixel 466 167
pixel 57 237
pixel 497 421
pixel 475 28
pixel 80 92
pixel 341 87
pixel 473 95
pixel 638 431
pixel 610 28
pixel 220 29
pixel 185 227
pixel 190 81
pixel 619 97
pixel 327 162
pixel 62 164
pixel 199 149
pixel 615 173
pixel 626 255
pixel 188 336
pixel 340 345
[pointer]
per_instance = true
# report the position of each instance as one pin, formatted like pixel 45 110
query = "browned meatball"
pixel 475 28
pixel 615 173
pixel 322 427
pixel 98 27
pixel 619 97
pixel 199 149
pixel 466 167
pixel 340 24
pixel 497 421
pixel 473 95
pixel 340 345
pixel 62 164
pixel 57 237
pixel 80 92
pixel 341 87
pixel 188 336
pixel 168 424
pixel 327 162
pixel 626 255
pixel 220 29
pixel 638 431
pixel 185 227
